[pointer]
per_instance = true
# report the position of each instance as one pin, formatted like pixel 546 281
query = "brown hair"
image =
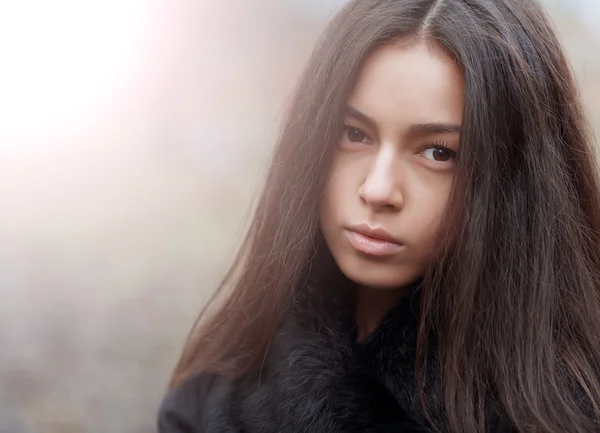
pixel 513 298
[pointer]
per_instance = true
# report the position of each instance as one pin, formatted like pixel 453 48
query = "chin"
pixel 378 278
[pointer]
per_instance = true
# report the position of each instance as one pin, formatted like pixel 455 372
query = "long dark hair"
pixel 513 296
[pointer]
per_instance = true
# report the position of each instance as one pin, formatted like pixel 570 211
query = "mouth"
pixel 373 241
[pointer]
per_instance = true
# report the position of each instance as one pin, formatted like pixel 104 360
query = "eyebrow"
pixel 415 128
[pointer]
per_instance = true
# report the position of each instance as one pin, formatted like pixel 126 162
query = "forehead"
pixel 410 83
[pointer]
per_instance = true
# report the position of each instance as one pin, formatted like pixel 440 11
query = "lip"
pixel 377 233
pixel 373 241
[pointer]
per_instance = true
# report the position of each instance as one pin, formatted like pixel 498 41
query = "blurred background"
pixel 134 135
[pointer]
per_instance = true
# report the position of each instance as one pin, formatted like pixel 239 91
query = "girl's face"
pixel 393 171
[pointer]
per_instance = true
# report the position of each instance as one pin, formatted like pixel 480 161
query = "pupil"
pixel 440 155
pixel 355 135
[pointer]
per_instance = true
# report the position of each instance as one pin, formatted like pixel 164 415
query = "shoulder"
pixel 189 407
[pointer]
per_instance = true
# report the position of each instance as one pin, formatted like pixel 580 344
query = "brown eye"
pixel 354 135
pixel 439 153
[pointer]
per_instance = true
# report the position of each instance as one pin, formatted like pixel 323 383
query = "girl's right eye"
pixel 355 135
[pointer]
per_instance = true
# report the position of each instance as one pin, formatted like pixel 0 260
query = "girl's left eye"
pixel 355 135
pixel 439 153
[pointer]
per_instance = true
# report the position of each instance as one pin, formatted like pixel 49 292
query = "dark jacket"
pixel 316 378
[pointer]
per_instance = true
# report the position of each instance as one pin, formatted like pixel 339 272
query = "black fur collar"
pixel 316 378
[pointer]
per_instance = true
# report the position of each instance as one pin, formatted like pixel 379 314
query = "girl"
pixel 425 255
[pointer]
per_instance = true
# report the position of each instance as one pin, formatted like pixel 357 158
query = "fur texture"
pixel 316 378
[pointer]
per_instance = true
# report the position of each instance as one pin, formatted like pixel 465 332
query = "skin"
pixel 388 174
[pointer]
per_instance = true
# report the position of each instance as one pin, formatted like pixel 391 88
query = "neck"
pixel 371 306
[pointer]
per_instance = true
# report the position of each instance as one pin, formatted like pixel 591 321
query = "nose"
pixel 381 189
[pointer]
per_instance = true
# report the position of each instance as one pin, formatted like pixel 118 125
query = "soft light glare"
pixel 63 61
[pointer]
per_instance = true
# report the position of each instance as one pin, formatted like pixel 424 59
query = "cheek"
pixel 332 208
pixel 329 202
pixel 337 193
pixel 427 214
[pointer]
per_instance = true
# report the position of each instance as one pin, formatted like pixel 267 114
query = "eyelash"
pixel 438 145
